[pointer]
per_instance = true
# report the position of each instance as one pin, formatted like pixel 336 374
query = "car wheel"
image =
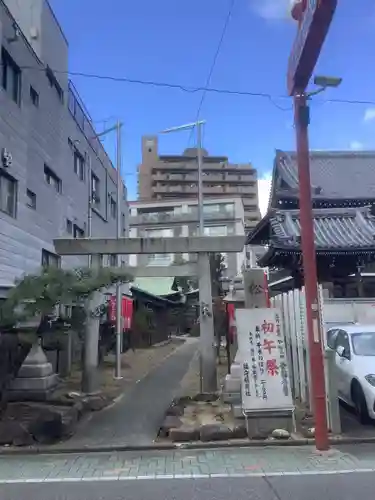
pixel 360 404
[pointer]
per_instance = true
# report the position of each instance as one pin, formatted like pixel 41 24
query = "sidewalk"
pixel 136 418
pixel 254 462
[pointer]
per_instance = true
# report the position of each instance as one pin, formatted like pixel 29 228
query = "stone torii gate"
pixel 201 245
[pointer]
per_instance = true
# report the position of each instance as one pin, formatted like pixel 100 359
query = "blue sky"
pixel 175 41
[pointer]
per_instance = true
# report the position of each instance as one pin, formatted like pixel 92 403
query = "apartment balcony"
pixel 176 189
pixel 213 190
pixel 177 166
pixel 241 190
pixel 159 177
pixel 225 213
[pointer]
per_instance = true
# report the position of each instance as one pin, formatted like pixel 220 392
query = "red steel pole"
pixel 301 119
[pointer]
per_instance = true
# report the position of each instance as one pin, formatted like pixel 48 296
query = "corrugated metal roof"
pixel 339 228
pixel 336 175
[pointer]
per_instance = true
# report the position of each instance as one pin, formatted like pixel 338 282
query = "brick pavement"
pixel 275 461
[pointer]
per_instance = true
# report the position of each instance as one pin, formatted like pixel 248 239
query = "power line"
pixel 214 61
pixel 193 90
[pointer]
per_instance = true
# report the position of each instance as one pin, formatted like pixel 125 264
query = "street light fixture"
pixel 324 82
pixel 189 126
pixel 117 128
pixel 327 81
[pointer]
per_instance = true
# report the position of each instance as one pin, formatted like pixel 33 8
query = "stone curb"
pixel 55 450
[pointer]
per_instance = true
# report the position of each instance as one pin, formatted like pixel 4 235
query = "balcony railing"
pixel 191 216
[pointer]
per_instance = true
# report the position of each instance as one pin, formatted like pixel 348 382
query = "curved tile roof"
pixel 335 175
pixel 335 229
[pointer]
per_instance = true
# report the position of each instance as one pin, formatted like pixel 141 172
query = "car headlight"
pixel 370 379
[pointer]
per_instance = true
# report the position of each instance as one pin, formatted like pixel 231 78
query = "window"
pixel 78 232
pixel 331 338
pixel 160 259
pixel 364 343
pixel 216 231
pixel 31 199
pixel 342 340
pixel 50 259
pixel 54 83
pixel 69 226
pixel 52 179
pixel 34 96
pixel 11 76
pixel 95 186
pixel 112 260
pixel 79 165
pixel 113 208
pixel 8 194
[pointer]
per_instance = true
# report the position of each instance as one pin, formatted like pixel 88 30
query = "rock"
pixel 205 398
pixel 310 433
pixel 184 433
pixel 48 427
pixel 175 411
pixel 14 433
pixel 69 421
pixel 170 422
pixel 239 431
pixel 94 403
pixel 215 432
pixel 182 401
pixel 280 434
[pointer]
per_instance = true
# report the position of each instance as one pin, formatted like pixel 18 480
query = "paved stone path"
pixel 136 419
pixel 242 462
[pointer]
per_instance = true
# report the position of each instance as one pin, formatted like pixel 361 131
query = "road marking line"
pixel 182 476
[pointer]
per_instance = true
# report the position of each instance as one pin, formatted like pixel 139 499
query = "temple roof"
pixel 335 175
pixel 336 230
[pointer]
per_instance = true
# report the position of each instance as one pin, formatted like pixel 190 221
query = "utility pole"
pixel 118 235
pixel 90 379
pixel 302 119
pixel 200 179
pixel 208 375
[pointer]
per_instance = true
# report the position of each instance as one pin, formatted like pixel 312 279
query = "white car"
pixel 355 364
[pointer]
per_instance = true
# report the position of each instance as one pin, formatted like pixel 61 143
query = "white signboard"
pixel 265 381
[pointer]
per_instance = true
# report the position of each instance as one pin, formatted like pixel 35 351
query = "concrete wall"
pixel 39 135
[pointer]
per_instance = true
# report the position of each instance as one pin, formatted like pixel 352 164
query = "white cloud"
pixel 356 145
pixel 264 188
pixel 369 114
pixel 272 9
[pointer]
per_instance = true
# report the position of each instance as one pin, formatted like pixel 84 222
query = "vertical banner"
pixel 265 374
pixel 126 311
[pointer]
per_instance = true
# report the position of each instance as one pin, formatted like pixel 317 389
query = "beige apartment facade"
pixel 167 177
pixel 179 217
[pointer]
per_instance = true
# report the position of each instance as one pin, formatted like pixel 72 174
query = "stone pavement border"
pixel 195 446
pixel 186 464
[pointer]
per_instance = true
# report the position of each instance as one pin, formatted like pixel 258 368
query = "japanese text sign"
pixel 265 381
pixel 308 44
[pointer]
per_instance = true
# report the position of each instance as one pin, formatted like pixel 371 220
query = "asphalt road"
pixel 302 487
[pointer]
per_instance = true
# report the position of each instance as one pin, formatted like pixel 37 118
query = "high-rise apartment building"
pixel 164 177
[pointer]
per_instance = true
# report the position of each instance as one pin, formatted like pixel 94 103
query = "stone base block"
pixel 34 384
pixel 35 371
pixel 261 425
pixel 237 411
pixel 236 371
pixel 232 384
pixel 232 398
pixel 23 395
